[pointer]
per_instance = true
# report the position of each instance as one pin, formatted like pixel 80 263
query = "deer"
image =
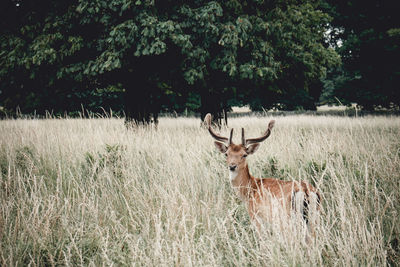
pixel 267 199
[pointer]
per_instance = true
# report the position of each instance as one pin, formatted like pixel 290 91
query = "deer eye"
pixel 226 154
pixel 245 155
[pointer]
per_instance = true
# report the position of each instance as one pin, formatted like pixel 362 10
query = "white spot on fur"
pixel 233 174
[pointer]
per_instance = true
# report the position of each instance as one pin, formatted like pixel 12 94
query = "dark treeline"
pixel 146 57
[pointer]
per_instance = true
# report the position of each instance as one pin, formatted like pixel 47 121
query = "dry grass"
pixel 89 192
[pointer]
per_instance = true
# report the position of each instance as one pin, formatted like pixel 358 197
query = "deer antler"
pixel 216 136
pixel 243 139
pixel 261 138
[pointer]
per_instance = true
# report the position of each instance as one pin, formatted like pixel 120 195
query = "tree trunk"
pixel 211 103
pixel 140 108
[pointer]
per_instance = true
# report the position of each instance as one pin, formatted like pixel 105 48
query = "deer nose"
pixel 232 167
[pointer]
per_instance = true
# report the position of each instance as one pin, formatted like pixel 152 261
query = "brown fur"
pixel 258 193
pixel 264 197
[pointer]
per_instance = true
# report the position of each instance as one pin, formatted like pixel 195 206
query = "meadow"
pixel 90 192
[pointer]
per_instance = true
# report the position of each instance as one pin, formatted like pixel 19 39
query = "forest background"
pixel 142 58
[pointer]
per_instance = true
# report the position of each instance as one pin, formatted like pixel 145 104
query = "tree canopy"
pixel 148 56
pixel 367 36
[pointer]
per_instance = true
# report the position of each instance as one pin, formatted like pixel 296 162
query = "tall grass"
pixel 90 192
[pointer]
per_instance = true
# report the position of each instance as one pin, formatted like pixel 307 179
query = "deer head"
pixel 266 198
pixel 236 154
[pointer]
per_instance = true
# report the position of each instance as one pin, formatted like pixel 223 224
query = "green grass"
pixel 90 192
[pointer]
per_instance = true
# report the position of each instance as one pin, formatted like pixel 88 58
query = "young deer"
pixel 267 199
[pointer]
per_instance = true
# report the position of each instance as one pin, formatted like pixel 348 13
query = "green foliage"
pixel 366 35
pixel 165 53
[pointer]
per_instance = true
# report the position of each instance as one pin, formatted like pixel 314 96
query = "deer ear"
pixel 221 147
pixel 252 148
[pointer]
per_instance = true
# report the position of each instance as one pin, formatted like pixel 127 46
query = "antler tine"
pixel 263 137
pixel 243 139
pixel 216 136
pixel 230 136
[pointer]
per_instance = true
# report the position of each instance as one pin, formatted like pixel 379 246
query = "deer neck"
pixel 241 181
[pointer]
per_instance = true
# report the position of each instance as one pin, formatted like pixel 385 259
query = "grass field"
pixel 89 192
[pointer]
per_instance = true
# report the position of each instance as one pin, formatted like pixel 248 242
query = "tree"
pixel 62 49
pixel 367 36
pixel 296 43
pixel 27 57
pixel 266 51
pixel 139 46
